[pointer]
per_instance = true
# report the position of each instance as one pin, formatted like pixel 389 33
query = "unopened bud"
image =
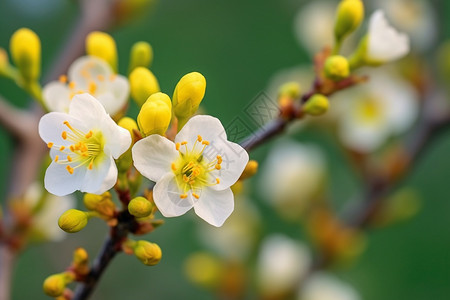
pixel 290 89
pixel 336 67
pixel 348 17
pixel 316 105
pixel 250 169
pixel 130 125
pixel 141 55
pixel 102 45
pixel 155 115
pixel 140 207
pixel 100 203
pixel 148 253
pixel 55 285
pixel 142 85
pixel 25 48
pixel 188 95
pixel 73 220
pixel 80 261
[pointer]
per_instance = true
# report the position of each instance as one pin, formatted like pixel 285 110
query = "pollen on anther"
pixel 218 167
pixel 183 196
pixel 62 148
pixel 91 164
pixel 89 134
pixel 177 146
pixel 205 143
pixel 69 158
pixel 92 87
pixel 63 78
pixel 50 145
pixel 174 168
pixel 64 135
pixel 56 158
pixel 195 196
pixel 183 143
pixel 219 159
pixel 199 138
pixel 217 180
pixel 100 77
pixel 112 77
pixel 71 85
pixel 69 169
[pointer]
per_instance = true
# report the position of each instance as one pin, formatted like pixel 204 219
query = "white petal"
pixel 363 137
pixel 209 128
pixel 60 182
pixel 234 160
pixel 115 95
pixel 167 197
pixel 51 127
pixel 101 178
pixel 56 96
pixel 118 139
pixel 153 156
pixel 385 43
pixel 215 206
pixel 87 69
pixel 85 107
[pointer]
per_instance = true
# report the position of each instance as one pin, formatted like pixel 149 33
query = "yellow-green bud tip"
pixel 140 207
pixel 336 67
pixel 73 220
pixel 141 55
pixel 290 89
pixel 142 84
pixel 188 95
pixel 154 116
pixel 316 105
pixel 102 45
pixel 55 285
pixel 348 17
pixel 148 253
pixel 25 48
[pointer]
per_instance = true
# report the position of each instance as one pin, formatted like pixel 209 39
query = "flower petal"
pixel 209 128
pixel 115 95
pixel 167 197
pixel 88 69
pixel 60 182
pixel 153 156
pixel 101 178
pixel 52 125
pixel 85 107
pixel 215 206
pixel 56 96
pixel 118 139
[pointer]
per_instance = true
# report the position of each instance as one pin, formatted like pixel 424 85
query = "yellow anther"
pixel 185 178
pixel 92 87
pixel 183 143
pixel 72 148
pixel 85 73
pixel 71 85
pixel 69 158
pixel 219 159
pixel 89 134
pixel 217 180
pixel 91 165
pixel 174 167
pixel 62 148
pixel 183 196
pixel 63 78
pixel 100 77
pixel 195 195
pixel 69 169
pixel 112 77
pixel 56 158
pixel 50 145
pixel 199 138
pixel 218 167
pixel 64 135
pixel 205 143
pixel 68 125
pixel 177 146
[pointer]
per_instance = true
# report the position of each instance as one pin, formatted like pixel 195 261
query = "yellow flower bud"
pixel 148 253
pixel 25 48
pixel 290 89
pixel 130 125
pixel 336 67
pixel 187 96
pixel 348 17
pixel 80 256
pixel 55 285
pixel 140 207
pixel 316 105
pixel 102 45
pixel 141 55
pixel 100 203
pixel 142 84
pixel 204 269
pixel 155 114
pixel 73 220
pixel 250 169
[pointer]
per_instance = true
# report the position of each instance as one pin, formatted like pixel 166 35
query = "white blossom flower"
pixel 384 42
pixel 46 214
pixel 88 74
pixel 195 171
pixel 282 262
pixel 322 286
pixel 83 145
pixel 371 113
pixel 291 176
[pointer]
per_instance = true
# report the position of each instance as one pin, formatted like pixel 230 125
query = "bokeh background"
pixel 238 46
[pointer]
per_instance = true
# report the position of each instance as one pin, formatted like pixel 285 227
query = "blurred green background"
pixel 237 46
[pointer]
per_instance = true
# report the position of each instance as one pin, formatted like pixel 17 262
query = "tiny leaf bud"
pixel 336 67
pixel 73 220
pixel 140 207
pixel 188 95
pixel 102 45
pixel 25 47
pixel 316 105
pixel 142 85
pixel 155 114
pixel 148 253
pixel 141 55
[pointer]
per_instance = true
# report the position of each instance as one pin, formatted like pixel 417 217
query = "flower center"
pixel 193 169
pixel 85 150
pixel 369 110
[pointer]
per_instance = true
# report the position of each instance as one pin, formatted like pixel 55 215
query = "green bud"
pixel 336 67
pixel 316 105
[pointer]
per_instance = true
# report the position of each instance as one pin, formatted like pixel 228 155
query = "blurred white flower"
pixel 282 262
pixel 291 176
pixel 45 220
pixel 384 42
pixel 373 112
pixel 88 74
pixel 416 18
pixel 321 286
